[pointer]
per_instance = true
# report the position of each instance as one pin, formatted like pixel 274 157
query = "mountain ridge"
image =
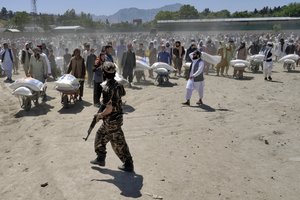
pixel 129 14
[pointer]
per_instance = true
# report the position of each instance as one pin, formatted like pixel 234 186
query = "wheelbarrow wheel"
pixel 65 101
pixel 160 80
pixel 26 103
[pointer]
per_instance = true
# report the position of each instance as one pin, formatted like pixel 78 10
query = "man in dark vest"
pixel 195 78
pixel 7 59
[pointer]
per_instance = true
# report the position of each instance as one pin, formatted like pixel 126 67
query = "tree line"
pixel 71 18
pixel 190 12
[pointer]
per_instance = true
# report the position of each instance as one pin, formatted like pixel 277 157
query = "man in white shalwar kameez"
pixel 7 58
pixel 196 78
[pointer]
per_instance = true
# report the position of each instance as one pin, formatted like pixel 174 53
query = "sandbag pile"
pixel 67 82
pixel 163 65
pixel 31 83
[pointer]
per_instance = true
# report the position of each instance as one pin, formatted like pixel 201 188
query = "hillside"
pixel 128 14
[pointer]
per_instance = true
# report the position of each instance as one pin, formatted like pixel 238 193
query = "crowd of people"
pixel 97 59
pixel 38 57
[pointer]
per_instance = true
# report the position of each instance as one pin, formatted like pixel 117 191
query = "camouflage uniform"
pixel 110 130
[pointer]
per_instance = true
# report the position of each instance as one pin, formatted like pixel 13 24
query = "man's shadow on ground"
pixel 127 108
pixel 130 184
pixel 208 108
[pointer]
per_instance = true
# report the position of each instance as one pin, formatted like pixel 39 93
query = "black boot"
pixel 127 166
pixel 270 78
pixel 98 161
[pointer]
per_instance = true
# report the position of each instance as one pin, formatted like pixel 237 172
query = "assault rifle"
pixel 94 122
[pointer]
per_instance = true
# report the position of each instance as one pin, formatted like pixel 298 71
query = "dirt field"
pixel 242 144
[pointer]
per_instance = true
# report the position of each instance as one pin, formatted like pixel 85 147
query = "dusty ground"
pixel 242 144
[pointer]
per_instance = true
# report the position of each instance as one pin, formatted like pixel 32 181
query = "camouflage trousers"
pixel 113 133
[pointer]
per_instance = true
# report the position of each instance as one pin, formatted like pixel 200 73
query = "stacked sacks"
pixel 67 82
pixel 22 91
pixel 163 65
pixel 161 71
pixel 293 57
pixel 31 83
pixel 240 64
pixel 257 58
pixel 142 63
pixel 290 61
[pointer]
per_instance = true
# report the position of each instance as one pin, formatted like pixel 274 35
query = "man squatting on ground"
pixel 195 78
pixel 112 115
pixel 268 63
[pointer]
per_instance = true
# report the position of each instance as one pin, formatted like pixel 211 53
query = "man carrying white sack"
pixel 195 79
pixel 268 63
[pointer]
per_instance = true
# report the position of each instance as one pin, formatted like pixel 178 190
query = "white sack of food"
pixel 22 91
pixel 60 62
pixel 67 82
pixel 163 65
pixel 31 83
pixel 294 57
pixel 233 62
pixel 289 61
pixel 187 65
pixel 257 58
pixel 141 65
pixel 210 58
pixel 239 65
pixel 161 71
pixel 119 78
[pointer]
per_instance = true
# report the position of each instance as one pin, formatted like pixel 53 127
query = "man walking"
pixel 196 78
pixel 77 69
pixel 7 58
pixel 25 57
pixel 128 64
pixel 112 116
pixel 268 63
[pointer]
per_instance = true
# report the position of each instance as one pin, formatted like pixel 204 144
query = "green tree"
pixel 3 13
pixel 221 14
pixel 165 15
pixel 21 19
pixel 188 12
pixel 292 10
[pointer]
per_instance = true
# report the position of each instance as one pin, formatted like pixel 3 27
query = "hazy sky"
pixel 108 7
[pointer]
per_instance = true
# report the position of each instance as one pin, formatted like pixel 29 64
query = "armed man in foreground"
pixel 112 115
